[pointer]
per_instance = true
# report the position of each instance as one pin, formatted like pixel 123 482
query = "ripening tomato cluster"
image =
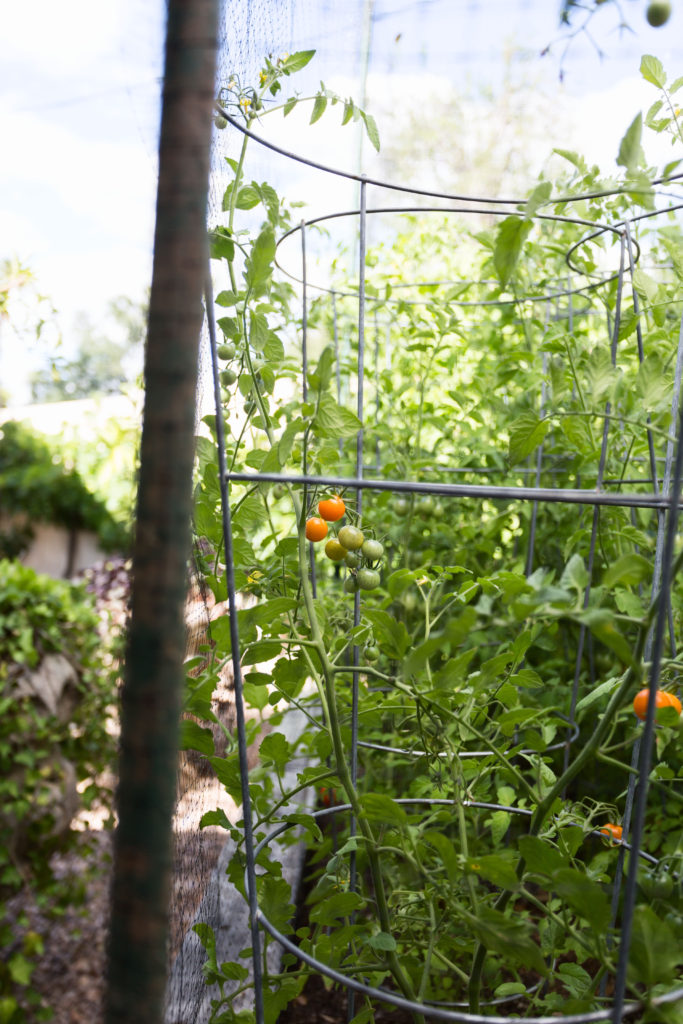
pixel 361 555
pixel 331 510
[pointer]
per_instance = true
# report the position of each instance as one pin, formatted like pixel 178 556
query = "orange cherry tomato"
pixel 613 832
pixel 328 797
pixel 316 529
pixel 332 509
pixel 663 700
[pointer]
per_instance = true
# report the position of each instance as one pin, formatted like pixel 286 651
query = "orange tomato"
pixel 316 529
pixel 613 832
pixel 332 508
pixel 663 700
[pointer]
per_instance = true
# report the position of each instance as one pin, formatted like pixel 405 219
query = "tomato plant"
pixel 494 641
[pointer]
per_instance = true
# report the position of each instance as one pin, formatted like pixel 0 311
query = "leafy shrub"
pixel 52 738
pixel 35 482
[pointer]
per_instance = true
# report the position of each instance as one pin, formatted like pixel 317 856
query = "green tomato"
pixel 220 122
pixel 368 579
pixel 426 503
pixel 402 506
pixel 335 550
pixel 371 652
pixel 352 559
pixel 658 13
pixel 351 537
pixel 409 602
pixel 372 550
pixel 226 351
pixel 657 885
pixel 228 377
pixel 350 584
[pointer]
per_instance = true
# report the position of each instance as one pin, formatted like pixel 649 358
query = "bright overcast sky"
pixel 79 92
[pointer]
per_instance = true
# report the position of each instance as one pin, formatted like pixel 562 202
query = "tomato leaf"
pixel 390 634
pixel 541 858
pixel 654 954
pixel 382 809
pixel 510 237
pixel 333 420
pixel 597 693
pixel 495 868
pixel 602 625
pixel 274 900
pixel 510 937
pixel 194 737
pixel 318 107
pixel 371 129
pixel 631 155
pixel 584 895
pixel 652 70
pixel 259 264
pixel 526 433
pixel 275 750
pixel 247 198
pixel 338 904
pixel 221 247
pixel 628 570
pixel 297 61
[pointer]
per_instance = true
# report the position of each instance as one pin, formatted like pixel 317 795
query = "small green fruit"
pixel 352 559
pixel 371 652
pixel 368 579
pixel 228 377
pixel 372 550
pixel 351 537
pixel 220 122
pixel 658 13
pixel 335 550
pixel 226 351
pixel 350 584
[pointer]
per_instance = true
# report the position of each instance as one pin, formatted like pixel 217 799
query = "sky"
pixel 79 107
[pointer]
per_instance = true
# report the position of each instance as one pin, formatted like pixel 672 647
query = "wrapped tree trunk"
pixel 156 643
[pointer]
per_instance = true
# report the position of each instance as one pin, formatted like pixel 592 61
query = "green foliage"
pixel 45 750
pixel 37 486
pixel 103 362
pixel 497 873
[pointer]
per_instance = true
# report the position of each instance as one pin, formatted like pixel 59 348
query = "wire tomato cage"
pixel 665 476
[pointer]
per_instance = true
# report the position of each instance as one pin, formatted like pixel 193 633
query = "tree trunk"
pixel 156 641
